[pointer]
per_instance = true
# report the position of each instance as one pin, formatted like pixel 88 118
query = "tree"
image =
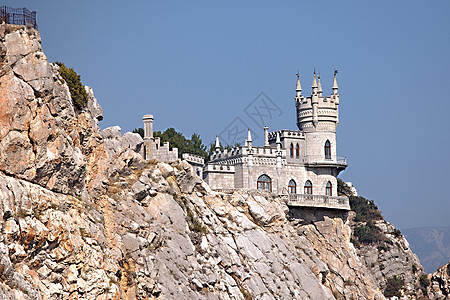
pixel 194 145
pixel 140 131
pixel 76 88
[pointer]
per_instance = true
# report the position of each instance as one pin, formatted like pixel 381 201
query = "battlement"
pixel 285 133
pixel 243 151
pixel 219 168
pixel 193 159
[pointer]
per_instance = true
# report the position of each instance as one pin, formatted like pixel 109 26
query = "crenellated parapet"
pixel 317 112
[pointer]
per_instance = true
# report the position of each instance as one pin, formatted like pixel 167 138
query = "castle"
pixel 301 165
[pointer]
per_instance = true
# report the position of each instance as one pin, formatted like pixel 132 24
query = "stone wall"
pixel 154 150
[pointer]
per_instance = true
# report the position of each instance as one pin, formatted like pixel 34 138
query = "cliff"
pixel 84 216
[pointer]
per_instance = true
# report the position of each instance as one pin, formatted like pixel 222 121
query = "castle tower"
pixel 317 117
pixel 148 126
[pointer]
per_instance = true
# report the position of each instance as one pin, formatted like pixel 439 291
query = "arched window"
pixel 329 189
pixel 327 149
pixel 297 151
pixel 291 150
pixel 264 183
pixel 308 188
pixel 292 187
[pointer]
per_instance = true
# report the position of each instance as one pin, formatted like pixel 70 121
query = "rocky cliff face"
pixel 84 216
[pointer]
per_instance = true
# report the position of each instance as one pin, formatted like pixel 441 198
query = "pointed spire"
pixel 266 136
pixel 335 85
pixel 278 141
pixel 249 140
pixel 320 85
pixel 217 144
pixel 299 87
pixel 314 85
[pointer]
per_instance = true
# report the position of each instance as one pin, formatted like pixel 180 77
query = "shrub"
pixel 355 242
pixel 393 286
pixel 365 210
pixel 76 88
pixel 368 233
pixel 383 246
pixel 397 232
pixel 424 281
pixel 343 188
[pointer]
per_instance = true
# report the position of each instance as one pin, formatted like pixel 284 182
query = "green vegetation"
pixel 397 232
pixel 194 145
pixel 76 88
pixel 393 286
pixel 139 130
pixel 368 233
pixel 365 210
pixel 424 283
pixel 194 223
pixel 355 242
pixel 343 188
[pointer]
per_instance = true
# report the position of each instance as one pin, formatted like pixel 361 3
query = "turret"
pixel 335 85
pixel 335 96
pixel 249 139
pixel 278 142
pixel 266 136
pixel 319 87
pixel 315 101
pixel 317 118
pixel 217 147
pixel 148 126
pixel 298 89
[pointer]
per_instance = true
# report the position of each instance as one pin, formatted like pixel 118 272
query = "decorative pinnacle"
pixel 320 85
pixel 314 85
pixel 278 138
pixel 299 87
pixel 217 142
pixel 249 136
pixel 335 85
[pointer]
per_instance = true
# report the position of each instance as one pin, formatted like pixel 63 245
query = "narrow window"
pixel 329 189
pixel 292 187
pixel 297 151
pixel 327 149
pixel 308 188
pixel 264 183
pixel 291 150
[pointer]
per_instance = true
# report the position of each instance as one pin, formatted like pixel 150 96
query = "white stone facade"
pixel 296 162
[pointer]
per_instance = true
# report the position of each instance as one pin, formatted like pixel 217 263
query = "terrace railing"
pixel 323 201
pixel 18 16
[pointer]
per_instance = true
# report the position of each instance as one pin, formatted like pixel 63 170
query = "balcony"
pixel 339 162
pixel 322 201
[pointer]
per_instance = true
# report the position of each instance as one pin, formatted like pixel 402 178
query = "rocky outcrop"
pixel 43 139
pixel 392 257
pixel 83 216
pixel 439 287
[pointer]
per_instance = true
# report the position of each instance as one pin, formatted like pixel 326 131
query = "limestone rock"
pixel 83 216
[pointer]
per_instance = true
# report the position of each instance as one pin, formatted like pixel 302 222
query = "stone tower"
pixel 317 118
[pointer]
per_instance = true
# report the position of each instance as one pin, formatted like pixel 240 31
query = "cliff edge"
pixel 84 216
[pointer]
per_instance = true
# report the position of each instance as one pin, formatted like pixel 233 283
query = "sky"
pixel 203 67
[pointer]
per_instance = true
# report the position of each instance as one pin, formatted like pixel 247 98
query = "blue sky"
pixel 196 65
